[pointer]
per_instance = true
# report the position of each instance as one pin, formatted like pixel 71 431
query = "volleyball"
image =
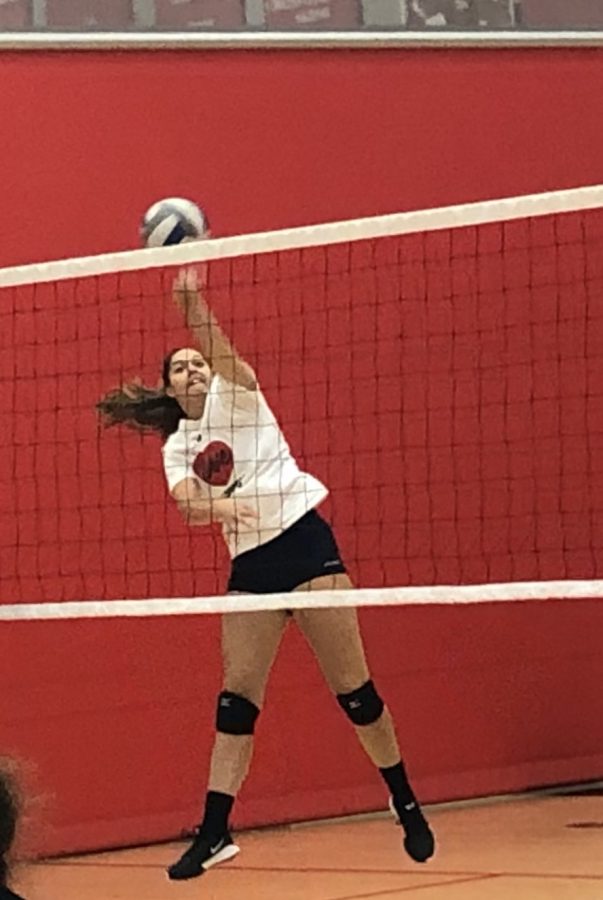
pixel 173 221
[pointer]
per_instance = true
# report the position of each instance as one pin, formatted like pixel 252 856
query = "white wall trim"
pixel 362 40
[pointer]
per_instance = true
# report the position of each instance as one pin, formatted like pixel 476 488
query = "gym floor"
pixel 531 847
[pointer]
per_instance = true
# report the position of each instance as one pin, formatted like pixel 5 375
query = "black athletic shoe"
pixel 202 854
pixel 419 841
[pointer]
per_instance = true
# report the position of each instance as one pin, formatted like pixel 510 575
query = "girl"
pixel 226 460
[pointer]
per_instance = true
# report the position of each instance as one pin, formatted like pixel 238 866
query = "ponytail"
pixel 141 408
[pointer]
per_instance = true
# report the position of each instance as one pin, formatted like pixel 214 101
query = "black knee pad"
pixel 362 707
pixel 236 714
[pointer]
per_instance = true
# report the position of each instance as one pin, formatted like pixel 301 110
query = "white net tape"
pixel 365 597
pixel 462 216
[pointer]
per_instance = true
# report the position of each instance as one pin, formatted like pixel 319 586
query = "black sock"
pixel 217 810
pixel 401 791
pixel 419 842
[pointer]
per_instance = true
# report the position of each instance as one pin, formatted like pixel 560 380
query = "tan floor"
pixel 525 849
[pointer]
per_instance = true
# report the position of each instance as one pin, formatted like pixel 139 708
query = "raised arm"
pixel 215 346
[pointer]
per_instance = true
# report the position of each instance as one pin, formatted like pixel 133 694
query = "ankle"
pixel 218 807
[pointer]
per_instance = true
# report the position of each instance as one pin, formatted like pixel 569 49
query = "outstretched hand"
pixel 215 346
pixel 188 297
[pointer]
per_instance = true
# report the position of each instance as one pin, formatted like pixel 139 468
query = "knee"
pixel 363 706
pixel 236 714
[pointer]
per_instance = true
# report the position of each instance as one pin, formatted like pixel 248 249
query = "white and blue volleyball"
pixel 173 221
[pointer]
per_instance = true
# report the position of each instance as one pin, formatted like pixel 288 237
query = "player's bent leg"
pixel 334 635
pixel 249 644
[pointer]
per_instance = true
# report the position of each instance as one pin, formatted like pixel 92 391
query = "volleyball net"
pixel 440 371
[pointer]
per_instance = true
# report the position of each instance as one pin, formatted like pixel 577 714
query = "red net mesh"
pixel 446 387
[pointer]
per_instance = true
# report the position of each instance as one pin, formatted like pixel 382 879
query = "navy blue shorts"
pixel 304 551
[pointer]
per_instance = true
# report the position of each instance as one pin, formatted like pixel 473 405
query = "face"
pixel 189 376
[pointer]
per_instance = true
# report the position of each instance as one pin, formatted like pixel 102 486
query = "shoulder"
pixel 172 441
pixel 228 394
pixel 175 444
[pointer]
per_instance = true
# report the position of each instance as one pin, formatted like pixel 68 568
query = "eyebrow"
pixel 181 362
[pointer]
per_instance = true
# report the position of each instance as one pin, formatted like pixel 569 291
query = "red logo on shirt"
pixel 214 464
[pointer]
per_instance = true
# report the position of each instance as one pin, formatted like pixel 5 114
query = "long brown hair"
pixel 10 809
pixel 143 408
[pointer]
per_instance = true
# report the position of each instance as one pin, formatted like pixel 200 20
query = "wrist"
pixel 195 319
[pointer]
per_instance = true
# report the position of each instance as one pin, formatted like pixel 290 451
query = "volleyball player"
pixel 226 460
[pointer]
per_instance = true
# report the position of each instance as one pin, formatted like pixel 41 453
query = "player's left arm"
pixel 215 346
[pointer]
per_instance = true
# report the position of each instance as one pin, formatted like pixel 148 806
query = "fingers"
pixel 189 299
pixel 246 515
pixel 187 281
pixel 191 280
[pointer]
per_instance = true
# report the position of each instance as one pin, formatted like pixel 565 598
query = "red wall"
pixel 268 140
pixel 116 716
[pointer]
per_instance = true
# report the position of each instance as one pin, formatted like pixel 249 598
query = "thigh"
pixel 334 636
pixel 249 644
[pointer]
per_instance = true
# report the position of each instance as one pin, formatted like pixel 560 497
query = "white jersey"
pixel 236 449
